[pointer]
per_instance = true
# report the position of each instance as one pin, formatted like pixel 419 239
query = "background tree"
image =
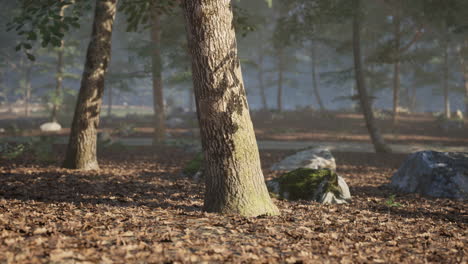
pixel 377 140
pixel 81 150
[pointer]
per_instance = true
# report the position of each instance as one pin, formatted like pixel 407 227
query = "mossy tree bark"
pixel 81 150
pixel 366 106
pixel 234 179
pixel 59 76
pixel 158 95
pixel 397 63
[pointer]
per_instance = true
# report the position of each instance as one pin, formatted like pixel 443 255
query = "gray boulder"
pixel 315 158
pixel 434 174
pixel 323 186
pixel 50 127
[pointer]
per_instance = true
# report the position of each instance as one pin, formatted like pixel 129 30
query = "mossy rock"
pixel 194 166
pixel 321 185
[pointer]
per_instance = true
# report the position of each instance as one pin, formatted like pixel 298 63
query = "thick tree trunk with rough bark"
pixel 58 77
pixel 366 106
pixel 234 179
pixel 81 151
pixel 158 98
pixel 397 63
pixel 315 78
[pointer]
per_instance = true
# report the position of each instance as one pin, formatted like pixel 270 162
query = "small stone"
pixel 51 127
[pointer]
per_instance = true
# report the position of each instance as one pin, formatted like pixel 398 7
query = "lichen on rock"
pixel 322 185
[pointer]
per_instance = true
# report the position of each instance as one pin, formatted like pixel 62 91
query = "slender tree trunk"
pixel 397 63
pixel 58 77
pixel 377 140
pixel 27 91
pixel 315 78
pixel 261 82
pixel 464 64
pixel 279 97
pixel 191 100
pixel 445 82
pixel 81 151
pixel 234 178
pixel 109 104
pixel 158 98
pixel 412 100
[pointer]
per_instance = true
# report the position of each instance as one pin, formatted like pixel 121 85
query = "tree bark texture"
pixel 315 77
pixel 234 179
pixel 81 151
pixel 397 62
pixel 158 96
pixel 58 77
pixel 377 140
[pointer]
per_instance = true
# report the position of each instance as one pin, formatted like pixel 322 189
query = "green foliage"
pixel 40 148
pixel 40 20
pixel 390 202
pixel 301 183
pixel 124 129
pixel 14 129
pixel 138 12
pixel 194 165
pixel 10 151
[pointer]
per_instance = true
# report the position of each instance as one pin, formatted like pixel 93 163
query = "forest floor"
pixel 139 209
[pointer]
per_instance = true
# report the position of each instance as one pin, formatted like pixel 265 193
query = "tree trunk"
pixel 397 63
pixel 464 64
pixel 158 98
pixel 446 84
pixel 109 103
pixel 234 178
pixel 58 77
pixel 377 140
pixel 81 151
pixel 315 78
pixel 279 98
pixel 27 90
pixel 261 82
